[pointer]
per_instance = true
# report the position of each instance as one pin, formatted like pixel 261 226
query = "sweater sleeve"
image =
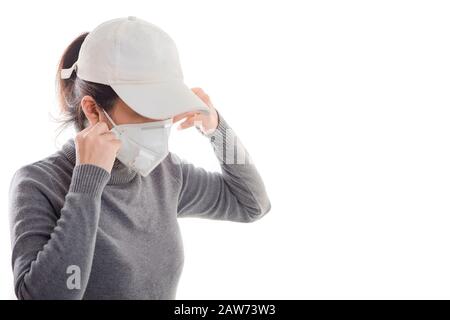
pixel 51 249
pixel 237 193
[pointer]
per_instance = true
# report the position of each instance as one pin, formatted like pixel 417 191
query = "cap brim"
pixel 161 100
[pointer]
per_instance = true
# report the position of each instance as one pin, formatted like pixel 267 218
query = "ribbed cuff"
pixel 222 126
pixel 222 140
pixel 89 178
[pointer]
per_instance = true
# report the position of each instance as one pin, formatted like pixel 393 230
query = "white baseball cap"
pixel 141 63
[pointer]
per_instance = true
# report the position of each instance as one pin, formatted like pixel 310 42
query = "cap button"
pixel 132 18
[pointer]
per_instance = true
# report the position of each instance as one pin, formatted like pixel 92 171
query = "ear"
pixel 90 109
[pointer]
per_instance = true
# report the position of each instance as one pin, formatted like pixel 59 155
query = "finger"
pixel 197 90
pixel 112 138
pixel 186 124
pixel 200 93
pixel 117 142
pixel 89 127
pixel 183 115
pixel 87 130
pixel 189 123
pixel 100 127
pixel 109 135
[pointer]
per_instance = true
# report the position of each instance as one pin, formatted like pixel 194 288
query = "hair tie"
pixel 67 73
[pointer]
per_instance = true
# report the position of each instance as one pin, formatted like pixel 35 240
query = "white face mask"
pixel 144 145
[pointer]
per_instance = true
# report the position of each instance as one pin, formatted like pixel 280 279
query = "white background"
pixel 343 105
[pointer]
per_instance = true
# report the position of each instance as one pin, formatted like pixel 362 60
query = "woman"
pixel 96 220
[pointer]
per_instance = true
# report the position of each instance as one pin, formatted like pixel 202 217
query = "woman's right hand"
pixel 97 145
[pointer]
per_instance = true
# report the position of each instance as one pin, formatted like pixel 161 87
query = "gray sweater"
pixel 79 232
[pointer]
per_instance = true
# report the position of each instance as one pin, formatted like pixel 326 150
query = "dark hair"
pixel 70 91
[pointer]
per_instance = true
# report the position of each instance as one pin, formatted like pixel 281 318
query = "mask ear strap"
pixel 109 118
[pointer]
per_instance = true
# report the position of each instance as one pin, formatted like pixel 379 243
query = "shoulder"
pixel 177 166
pixel 36 193
pixel 48 175
pixel 172 166
pixel 183 170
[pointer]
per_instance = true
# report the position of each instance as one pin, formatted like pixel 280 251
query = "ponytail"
pixel 71 91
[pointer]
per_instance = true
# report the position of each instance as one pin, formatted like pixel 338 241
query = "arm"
pixel 236 194
pixel 44 244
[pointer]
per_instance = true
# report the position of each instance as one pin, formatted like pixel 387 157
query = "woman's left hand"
pixel 205 122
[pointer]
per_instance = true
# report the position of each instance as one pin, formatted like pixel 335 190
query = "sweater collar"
pixel 119 173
